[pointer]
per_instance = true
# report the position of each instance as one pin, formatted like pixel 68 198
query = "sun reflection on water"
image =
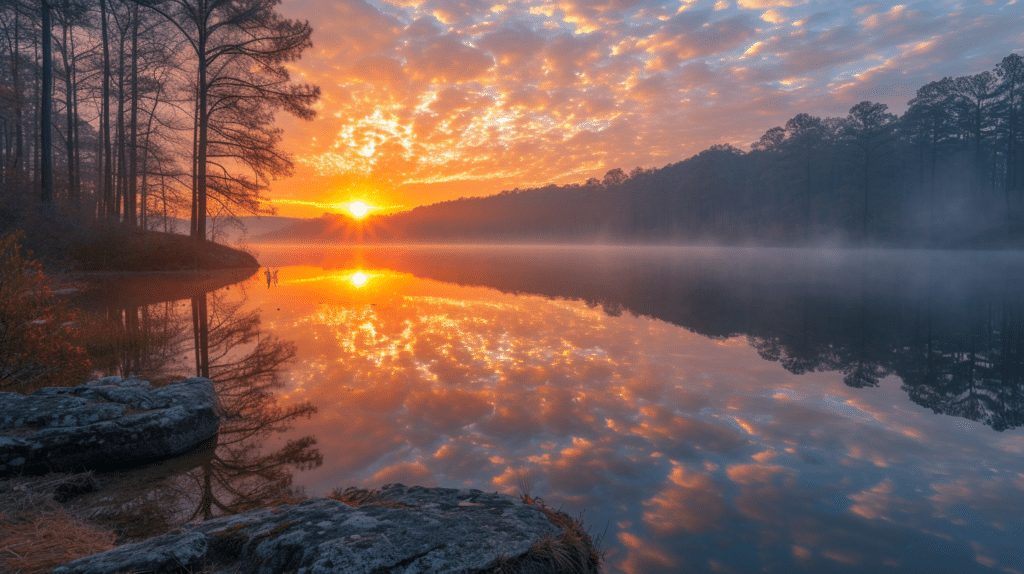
pixel 658 430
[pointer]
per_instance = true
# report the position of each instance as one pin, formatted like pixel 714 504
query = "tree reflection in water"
pixel 950 326
pixel 235 473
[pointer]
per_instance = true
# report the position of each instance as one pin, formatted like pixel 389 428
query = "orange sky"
pixel 428 100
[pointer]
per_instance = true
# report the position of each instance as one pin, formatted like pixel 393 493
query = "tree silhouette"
pixel 240 50
pixel 868 129
pixel 236 473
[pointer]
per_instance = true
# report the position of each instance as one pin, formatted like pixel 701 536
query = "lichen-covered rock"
pixel 405 529
pixel 106 423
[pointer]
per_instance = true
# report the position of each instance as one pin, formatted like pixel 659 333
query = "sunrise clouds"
pixel 428 101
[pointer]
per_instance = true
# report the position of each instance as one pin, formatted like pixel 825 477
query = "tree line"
pixel 948 172
pixel 132 111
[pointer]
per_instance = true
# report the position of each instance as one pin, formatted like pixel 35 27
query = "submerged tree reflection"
pixel 238 472
pixel 245 364
pixel 949 327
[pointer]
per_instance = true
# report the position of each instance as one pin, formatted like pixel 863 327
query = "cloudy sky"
pixel 428 100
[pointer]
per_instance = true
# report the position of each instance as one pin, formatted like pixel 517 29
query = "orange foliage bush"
pixel 38 334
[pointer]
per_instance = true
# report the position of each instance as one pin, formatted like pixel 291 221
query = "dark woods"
pixel 133 111
pixel 948 173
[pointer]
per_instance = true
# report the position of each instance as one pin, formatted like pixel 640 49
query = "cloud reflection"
pixel 701 455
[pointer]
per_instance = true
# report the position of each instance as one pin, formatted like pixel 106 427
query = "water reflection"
pixel 698 453
pixel 213 335
pixel 949 325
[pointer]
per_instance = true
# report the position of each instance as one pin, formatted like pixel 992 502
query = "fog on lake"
pixel 705 409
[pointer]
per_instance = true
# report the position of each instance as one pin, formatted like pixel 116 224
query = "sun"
pixel 358 209
pixel 358 278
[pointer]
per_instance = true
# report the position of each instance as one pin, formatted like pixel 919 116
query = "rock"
pixel 402 529
pixel 106 423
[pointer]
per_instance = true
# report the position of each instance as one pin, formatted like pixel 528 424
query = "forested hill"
pixel 947 173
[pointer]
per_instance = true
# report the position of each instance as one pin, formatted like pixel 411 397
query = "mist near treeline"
pixel 949 172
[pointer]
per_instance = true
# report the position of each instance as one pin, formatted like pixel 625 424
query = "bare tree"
pixel 240 49
pixel 46 106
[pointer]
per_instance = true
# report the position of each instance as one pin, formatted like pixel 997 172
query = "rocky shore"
pixel 107 423
pixel 114 422
pixel 397 529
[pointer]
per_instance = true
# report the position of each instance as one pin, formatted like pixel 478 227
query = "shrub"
pixel 38 333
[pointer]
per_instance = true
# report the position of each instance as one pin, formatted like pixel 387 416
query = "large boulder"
pixel 400 529
pixel 108 423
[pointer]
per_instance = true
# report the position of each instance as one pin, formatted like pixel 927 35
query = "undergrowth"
pixel 571 551
pixel 37 532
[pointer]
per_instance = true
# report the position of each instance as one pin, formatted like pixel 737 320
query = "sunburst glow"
pixel 358 209
pixel 358 278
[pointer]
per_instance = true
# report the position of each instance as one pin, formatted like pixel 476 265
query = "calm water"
pixel 707 410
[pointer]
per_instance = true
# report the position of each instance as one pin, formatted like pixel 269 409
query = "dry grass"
pixel 571 551
pixel 353 496
pixel 37 533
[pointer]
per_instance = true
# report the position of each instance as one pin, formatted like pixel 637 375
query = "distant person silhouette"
pixel 275 277
pixel 267 275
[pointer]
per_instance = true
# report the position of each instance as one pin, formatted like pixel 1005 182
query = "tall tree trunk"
pixel 807 199
pixel 195 171
pixel 46 106
pixel 36 135
pixel 931 193
pixel 122 142
pixel 144 204
pixel 109 206
pixel 203 143
pixel 133 158
pixel 867 196
pixel 68 59
pixel 19 129
pixel 77 183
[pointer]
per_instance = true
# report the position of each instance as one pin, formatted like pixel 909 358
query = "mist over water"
pixel 707 409
pixel 714 408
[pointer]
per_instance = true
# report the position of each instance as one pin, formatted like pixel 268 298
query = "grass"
pixel 571 551
pixel 37 532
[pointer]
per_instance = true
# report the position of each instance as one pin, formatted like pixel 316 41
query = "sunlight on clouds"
pixel 530 74
pixel 761 4
pixel 874 502
pixel 754 49
pixel 543 10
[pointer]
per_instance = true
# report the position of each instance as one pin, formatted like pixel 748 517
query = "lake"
pixel 703 409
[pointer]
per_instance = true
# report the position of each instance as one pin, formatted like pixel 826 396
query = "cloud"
pixel 690 502
pixel 761 4
pixel 445 60
pixel 440 98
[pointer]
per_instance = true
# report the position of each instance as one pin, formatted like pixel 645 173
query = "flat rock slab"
pixel 106 423
pixel 405 530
